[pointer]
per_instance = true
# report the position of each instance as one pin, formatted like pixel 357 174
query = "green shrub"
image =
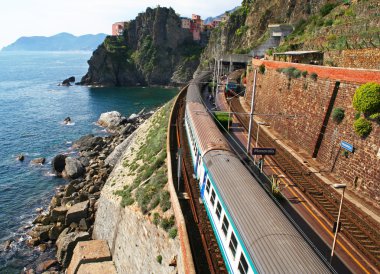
pixel 327 8
pixel 357 115
pixel 159 259
pixel 362 127
pixel 291 72
pixel 338 115
pixel 314 76
pixel 375 117
pixel 367 98
pixel 156 218
pixel 173 232
pixel 304 73
pixel 165 203
pixel 262 69
pixel 167 223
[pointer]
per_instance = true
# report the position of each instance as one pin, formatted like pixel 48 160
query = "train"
pixel 253 234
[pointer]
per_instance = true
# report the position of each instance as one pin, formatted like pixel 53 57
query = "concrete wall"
pixel 300 106
pixel 134 241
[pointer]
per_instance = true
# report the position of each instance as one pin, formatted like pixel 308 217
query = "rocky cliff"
pixel 319 25
pixel 151 50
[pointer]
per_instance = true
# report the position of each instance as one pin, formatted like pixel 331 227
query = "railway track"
pixel 190 186
pixel 356 226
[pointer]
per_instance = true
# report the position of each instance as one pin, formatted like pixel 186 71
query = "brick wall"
pixel 300 106
pixel 355 58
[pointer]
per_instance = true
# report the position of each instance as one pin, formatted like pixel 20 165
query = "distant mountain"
pixel 208 20
pixel 59 42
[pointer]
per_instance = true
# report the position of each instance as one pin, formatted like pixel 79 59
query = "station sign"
pixel 263 151
pixel 347 146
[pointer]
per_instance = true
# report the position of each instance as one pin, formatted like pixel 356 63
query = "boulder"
pixel 7 244
pixel 46 265
pixel 58 164
pixel 42 232
pixel 21 157
pixel 110 119
pixel 68 81
pixel 77 212
pixel 73 168
pixel 58 212
pixel 67 120
pixel 55 231
pixel 66 243
pixel 88 142
pixel 70 189
pixel 38 161
pixel 132 118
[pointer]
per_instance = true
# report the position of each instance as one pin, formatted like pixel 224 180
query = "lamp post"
pixel 337 186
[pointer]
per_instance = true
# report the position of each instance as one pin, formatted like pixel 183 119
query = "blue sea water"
pixel 32 108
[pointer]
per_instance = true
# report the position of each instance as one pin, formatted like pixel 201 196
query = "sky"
pixel 49 17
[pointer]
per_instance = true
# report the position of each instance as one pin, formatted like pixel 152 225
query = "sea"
pixel 32 110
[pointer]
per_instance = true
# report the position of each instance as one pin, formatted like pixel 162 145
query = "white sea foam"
pixel 49 174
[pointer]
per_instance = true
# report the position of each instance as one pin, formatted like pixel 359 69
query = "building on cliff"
pixel 118 28
pixel 312 57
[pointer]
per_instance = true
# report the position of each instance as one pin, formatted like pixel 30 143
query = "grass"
pixel 147 189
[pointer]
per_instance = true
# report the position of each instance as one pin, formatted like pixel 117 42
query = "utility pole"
pixel 213 79
pixel 252 110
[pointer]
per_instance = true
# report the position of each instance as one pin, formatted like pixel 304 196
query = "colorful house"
pixel 117 28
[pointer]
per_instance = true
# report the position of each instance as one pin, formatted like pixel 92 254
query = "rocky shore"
pixel 70 215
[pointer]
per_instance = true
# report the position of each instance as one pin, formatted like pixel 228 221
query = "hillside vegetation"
pixel 323 25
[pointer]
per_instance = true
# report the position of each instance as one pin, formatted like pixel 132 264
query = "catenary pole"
pixel 252 110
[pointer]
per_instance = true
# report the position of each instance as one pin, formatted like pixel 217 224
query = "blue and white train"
pixel 253 234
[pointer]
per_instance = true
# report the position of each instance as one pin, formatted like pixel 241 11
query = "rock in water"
pixel 58 164
pixel 21 157
pixel 67 81
pixel 67 120
pixel 39 161
pixel 110 119
pixel 73 168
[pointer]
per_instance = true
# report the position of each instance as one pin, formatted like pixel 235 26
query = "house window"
pixel 233 244
pixel 212 197
pixel 218 210
pixel 208 186
pixel 243 265
pixel 225 225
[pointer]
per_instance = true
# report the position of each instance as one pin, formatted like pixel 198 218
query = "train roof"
pixel 273 243
pixel 207 133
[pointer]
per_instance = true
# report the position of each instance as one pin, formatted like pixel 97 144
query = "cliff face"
pixel 152 48
pixel 247 26
pixel 324 25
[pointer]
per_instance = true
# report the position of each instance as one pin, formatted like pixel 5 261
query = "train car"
pixel 253 234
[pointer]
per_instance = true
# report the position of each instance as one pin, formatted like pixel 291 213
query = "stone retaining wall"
pixel 299 107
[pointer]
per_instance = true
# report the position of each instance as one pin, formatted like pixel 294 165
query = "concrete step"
pixel 97 268
pixel 89 252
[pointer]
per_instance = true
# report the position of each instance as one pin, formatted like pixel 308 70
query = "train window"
pixel 212 199
pixel 208 186
pixel 233 244
pixel 218 210
pixel 225 225
pixel 243 265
